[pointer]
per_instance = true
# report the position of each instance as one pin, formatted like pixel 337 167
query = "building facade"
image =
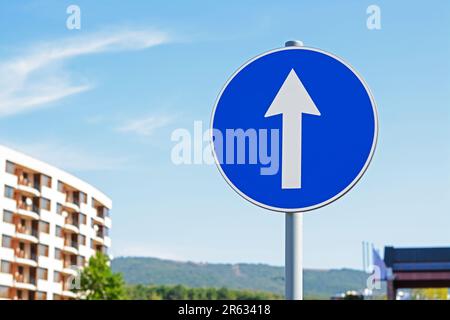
pixel 51 223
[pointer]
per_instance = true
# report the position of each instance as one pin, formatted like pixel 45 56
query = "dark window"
pixel 45 204
pixel 83 218
pixel 42 273
pixel 6 267
pixel 9 192
pixel 60 186
pixel 44 227
pixel 4 292
pixel 10 167
pixel 57 277
pixel 43 250
pixel 83 197
pixel 46 181
pixel 7 216
pixel 40 295
pixel 6 242
pixel 59 208
pixel 58 231
pixel 82 240
pixel 81 261
pixel 58 254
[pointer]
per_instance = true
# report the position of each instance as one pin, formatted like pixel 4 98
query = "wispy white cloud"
pixel 71 158
pixel 37 77
pixel 145 126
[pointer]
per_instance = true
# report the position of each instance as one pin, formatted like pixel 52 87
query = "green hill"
pixel 317 283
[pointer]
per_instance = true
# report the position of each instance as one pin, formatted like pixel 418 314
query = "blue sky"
pixel 102 102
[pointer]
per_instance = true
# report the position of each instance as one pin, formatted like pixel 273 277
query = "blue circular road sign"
pixel 294 129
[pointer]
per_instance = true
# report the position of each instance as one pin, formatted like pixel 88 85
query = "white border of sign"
pixel 343 192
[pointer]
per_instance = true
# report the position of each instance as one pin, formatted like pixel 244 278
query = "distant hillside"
pixel 318 283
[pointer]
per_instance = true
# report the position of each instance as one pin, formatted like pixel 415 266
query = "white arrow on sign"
pixel 292 101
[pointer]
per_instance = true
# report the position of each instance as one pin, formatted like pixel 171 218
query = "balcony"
pixel 24 282
pixel 69 294
pixel 28 210
pixel 70 246
pixel 69 267
pixel 27 234
pixel 101 249
pixel 28 188
pixel 25 257
pixel 72 199
pixel 71 224
pixel 71 204
pixel 99 235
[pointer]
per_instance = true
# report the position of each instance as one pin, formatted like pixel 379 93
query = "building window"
pixel 44 227
pixel 40 295
pixel 6 241
pixel 59 208
pixel 4 292
pixel 83 197
pixel 58 232
pixel 46 181
pixel 83 218
pixel 57 278
pixel 43 250
pixel 82 240
pixel 9 192
pixel 5 267
pixel 106 231
pixel 45 204
pixel 7 216
pixel 42 273
pixel 58 254
pixel 10 167
pixel 81 261
pixel 60 186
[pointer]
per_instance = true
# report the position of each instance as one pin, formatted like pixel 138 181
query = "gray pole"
pixel 294 242
pixel 294 256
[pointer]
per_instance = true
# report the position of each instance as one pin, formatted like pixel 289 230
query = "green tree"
pixel 98 282
pixel 180 292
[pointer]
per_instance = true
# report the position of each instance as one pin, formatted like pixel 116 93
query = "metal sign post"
pixel 294 256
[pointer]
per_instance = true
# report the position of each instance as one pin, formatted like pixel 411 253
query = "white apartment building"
pixel 50 224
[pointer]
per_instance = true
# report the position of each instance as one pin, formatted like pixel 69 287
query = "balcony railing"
pixel 102 212
pixel 72 221
pixel 29 181
pixel 73 198
pixel 26 254
pixel 25 230
pixel 22 205
pixel 100 234
pixel 101 249
pixel 69 263
pixel 71 243
pixel 25 279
